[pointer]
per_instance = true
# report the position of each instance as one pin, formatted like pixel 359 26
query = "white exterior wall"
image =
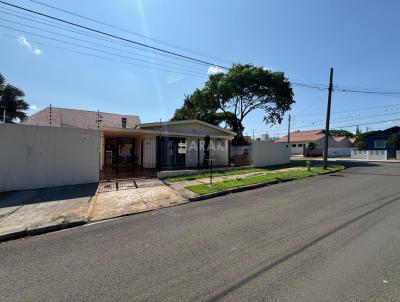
pixel 218 152
pixel 191 152
pixel 269 154
pixel 369 154
pixel 377 154
pixel 339 152
pixel 297 150
pixel 359 154
pixel 34 157
pixel 149 152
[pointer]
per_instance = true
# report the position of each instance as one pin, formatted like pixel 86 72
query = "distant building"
pixel 338 145
pixel 377 140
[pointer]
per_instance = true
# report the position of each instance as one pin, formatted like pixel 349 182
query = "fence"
pixel 261 154
pixel 339 152
pixel 269 154
pixel 369 154
pixel 34 157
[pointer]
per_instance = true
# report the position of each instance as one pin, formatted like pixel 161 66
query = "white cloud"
pixel 24 42
pixel 33 107
pixel 269 68
pixel 215 70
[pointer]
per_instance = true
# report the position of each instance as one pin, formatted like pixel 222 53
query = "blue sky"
pixel 360 39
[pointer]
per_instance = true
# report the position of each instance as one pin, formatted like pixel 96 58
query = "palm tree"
pixel 11 100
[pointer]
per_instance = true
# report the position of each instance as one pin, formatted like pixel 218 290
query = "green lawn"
pixel 234 183
pixel 237 171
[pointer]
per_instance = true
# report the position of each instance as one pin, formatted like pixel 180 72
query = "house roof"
pixel 339 138
pixel 64 117
pixel 186 122
pixel 303 136
pixel 387 131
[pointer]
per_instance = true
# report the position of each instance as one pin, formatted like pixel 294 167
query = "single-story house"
pixel 338 145
pixel 377 140
pixel 129 147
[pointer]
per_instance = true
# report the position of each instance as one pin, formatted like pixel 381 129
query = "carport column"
pixel 198 153
pixel 102 148
pixel 229 152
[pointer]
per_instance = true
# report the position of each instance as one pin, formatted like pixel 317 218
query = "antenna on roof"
pixel 50 115
pixel 98 120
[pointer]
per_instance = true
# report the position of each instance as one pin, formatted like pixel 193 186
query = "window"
pixel 300 145
pixel 124 122
pixel 380 144
pixel 293 145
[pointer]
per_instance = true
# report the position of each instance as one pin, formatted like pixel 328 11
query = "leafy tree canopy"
pixel 360 142
pixel 11 99
pixel 341 133
pixel 394 140
pixel 230 97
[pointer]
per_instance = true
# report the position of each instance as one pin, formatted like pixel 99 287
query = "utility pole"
pixel 288 131
pixel 328 117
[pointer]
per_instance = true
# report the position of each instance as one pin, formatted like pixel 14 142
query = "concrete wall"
pixel 369 154
pixel 269 154
pixel 339 152
pixel 37 157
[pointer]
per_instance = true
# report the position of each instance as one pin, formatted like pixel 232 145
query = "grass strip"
pixel 237 171
pixel 239 182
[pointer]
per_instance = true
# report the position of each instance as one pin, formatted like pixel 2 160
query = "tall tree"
pixel 12 101
pixel 230 97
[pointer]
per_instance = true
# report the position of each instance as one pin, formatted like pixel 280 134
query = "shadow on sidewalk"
pixel 19 198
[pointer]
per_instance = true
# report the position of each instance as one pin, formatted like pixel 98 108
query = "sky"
pixel 304 39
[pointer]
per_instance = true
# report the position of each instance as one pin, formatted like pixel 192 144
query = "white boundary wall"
pixel 269 153
pixel 369 154
pixel 339 152
pixel 34 157
pixel 398 154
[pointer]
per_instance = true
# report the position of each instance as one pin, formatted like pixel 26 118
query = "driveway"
pixel 328 238
pixel 133 196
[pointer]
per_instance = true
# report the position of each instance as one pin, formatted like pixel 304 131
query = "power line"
pixel 346 111
pixel 78 31
pixel 100 57
pixel 116 36
pixel 124 30
pixel 98 44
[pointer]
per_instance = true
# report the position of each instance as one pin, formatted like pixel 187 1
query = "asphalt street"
pixel 329 238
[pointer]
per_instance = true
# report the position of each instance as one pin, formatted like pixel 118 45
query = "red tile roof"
pixel 339 138
pixel 303 136
pixel 63 117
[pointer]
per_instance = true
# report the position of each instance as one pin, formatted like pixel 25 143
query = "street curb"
pixel 255 186
pixel 46 228
pixel 52 226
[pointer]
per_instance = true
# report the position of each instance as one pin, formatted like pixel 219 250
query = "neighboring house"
pixel 338 145
pixel 299 140
pixel 377 140
pixel 130 147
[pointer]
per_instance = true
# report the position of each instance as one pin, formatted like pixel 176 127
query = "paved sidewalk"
pixel 30 210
